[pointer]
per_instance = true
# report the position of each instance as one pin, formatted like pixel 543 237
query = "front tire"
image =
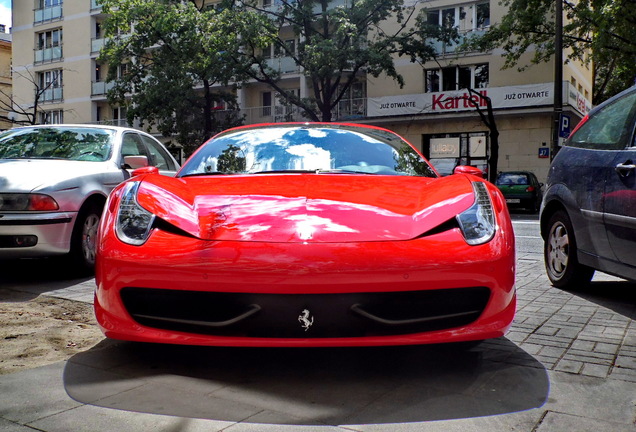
pixel 560 254
pixel 84 238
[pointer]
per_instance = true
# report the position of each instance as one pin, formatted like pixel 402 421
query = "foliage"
pixel 165 65
pixel 337 42
pixel 602 32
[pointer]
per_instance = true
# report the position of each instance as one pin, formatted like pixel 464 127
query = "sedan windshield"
pixel 307 148
pixel 82 144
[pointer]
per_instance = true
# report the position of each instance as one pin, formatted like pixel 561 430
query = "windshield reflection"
pixel 80 144
pixel 302 148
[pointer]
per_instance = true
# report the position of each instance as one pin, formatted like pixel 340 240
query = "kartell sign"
pixel 427 103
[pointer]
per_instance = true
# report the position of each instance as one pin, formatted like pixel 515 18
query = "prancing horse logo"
pixel 305 319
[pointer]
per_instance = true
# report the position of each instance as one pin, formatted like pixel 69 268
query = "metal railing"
pixel 48 54
pixel 52 95
pixel 47 14
pixel 97 44
pixel 101 87
pixel 349 109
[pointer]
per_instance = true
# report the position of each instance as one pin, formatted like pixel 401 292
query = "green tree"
pixel 168 58
pixel 602 32
pixel 335 43
pixel 164 58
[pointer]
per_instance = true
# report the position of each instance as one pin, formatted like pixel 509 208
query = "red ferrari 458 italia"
pixel 305 234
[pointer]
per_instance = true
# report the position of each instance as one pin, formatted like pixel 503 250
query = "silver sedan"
pixel 54 180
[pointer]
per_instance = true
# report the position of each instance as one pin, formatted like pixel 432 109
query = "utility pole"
pixel 558 77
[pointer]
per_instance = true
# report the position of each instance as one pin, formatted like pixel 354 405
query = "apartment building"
pixel 5 76
pixel 55 70
pixel 57 45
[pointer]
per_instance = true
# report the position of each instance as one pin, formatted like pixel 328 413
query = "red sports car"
pixel 305 235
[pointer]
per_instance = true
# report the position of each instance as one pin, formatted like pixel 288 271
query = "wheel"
pixel 84 238
pixel 560 254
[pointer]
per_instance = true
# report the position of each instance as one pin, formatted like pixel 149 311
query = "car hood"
pixel 28 175
pixel 306 207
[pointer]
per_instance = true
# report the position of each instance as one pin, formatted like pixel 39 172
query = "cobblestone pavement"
pixel 588 332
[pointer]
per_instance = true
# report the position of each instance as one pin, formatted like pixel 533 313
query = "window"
pixel 49 39
pixel 457 78
pixel 267 52
pixel 51 117
pixel 465 18
pixel 50 85
pixel 353 103
pixel 610 128
pixel 446 151
pixel 119 116
pixel 481 76
pixel 266 104
pixel 158 156
pixel 290 49
pixel 50 79
pixel 432 81
pixel 49 3
pixel 483 16
pixel 49 45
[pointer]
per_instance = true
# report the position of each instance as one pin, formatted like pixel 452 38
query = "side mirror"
pixel 466 169
pixel 134 162
pixel 145 170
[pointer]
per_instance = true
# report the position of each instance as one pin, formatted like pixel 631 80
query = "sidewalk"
pixel 567 364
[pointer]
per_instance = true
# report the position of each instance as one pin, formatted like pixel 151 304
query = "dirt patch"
pixel 44 330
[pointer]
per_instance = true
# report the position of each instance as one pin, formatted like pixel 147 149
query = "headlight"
pixel 133 222
pixel 478 222
pixel 27 202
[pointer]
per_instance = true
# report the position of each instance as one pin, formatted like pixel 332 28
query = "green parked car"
pixel 521 189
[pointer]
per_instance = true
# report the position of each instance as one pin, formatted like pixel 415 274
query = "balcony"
pixel 51 13
pixel 54 94
pixel 97 44
pixel 100 88
pixel 112 122
pixel 48 54
pixel 285 65
pixel 444 48
pixel 350 109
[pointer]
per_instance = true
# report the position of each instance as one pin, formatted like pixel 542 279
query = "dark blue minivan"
pixel 588 214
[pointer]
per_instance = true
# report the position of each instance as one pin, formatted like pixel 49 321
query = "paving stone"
pixel 571 366
pixel 595 370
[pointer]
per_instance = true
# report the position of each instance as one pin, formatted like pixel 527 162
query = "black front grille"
pixel 280 315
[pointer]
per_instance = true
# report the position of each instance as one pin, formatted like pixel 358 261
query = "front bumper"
pixel 172 284
pixel 52 231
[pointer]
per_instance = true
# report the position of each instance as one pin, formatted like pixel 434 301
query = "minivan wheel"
pixel 560 254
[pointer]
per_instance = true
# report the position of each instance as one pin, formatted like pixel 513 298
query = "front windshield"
pixel 81 144
pixel 308 148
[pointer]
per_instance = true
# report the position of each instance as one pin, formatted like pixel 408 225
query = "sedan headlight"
pixel 133 223
pixel 478 222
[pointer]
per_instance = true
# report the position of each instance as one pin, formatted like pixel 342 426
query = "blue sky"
pixel 5 12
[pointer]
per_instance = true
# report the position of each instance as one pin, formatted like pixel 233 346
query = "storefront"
pixel 448 131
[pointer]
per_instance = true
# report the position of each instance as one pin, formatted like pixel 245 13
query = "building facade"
pixel 6 86
pixel 57 45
